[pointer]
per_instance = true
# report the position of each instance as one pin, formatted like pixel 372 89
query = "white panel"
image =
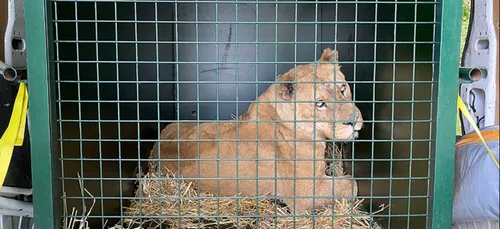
pixel 14 42
pixel 481 52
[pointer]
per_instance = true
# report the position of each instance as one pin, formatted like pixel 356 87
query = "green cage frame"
pixel 43 125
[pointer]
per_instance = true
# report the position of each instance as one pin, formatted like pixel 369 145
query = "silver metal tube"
pixel 7 72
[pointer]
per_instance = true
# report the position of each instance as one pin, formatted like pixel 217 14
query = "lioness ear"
pixel 286 91
pixel 286 87
pixel 329 55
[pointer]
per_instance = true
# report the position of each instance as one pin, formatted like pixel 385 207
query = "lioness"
pixel 270 157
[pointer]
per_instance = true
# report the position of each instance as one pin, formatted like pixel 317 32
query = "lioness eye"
pixel 343 88
pixel 321 104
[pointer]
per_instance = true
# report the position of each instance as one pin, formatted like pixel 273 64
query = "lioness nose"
pixel 353 120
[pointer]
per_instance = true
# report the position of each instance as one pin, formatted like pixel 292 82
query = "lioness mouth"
pixel 355 134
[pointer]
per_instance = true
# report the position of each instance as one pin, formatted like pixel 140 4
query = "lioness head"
pixel 321 97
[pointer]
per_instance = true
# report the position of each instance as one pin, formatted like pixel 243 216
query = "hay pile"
pixel 159 197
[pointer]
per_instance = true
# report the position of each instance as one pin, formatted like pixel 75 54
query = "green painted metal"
pixel 85 50
pixel 46 201
pixel 469 75
pixel 445 115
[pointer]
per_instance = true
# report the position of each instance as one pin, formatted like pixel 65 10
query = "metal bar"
pixel 254 197
pixel 263 216
pixel 157 58
pixel 255 2
pixel 449 13
pixel 137 89
pixel 245 22
pixel 232 62
pixel 99 127
pixel 240 121
pixel 391 162
pixel 372 146
pixel 413 72
pixel 240 82
pixel 125 159
pixel 257 108
pixel 43 126
pixel 236 140
pixel 118 117
pixel 212 101
pixel 244 42
pixel 217 127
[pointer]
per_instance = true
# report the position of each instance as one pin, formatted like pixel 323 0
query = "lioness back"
pixel 198 152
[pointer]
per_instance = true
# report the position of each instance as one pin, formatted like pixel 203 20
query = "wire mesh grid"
pixel 125 70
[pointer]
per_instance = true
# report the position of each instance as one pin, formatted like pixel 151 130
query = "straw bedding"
pixel 159 197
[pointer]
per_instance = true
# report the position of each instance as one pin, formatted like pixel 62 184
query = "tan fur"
pixel 278 142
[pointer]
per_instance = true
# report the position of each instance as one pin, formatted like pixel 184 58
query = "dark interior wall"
pixel 137 60
pixel 108 71
pixel 237 61
pixel 148 72
pixel 406 121
pixel 151 61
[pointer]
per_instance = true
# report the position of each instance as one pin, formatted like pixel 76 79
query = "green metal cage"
pixel 106 76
